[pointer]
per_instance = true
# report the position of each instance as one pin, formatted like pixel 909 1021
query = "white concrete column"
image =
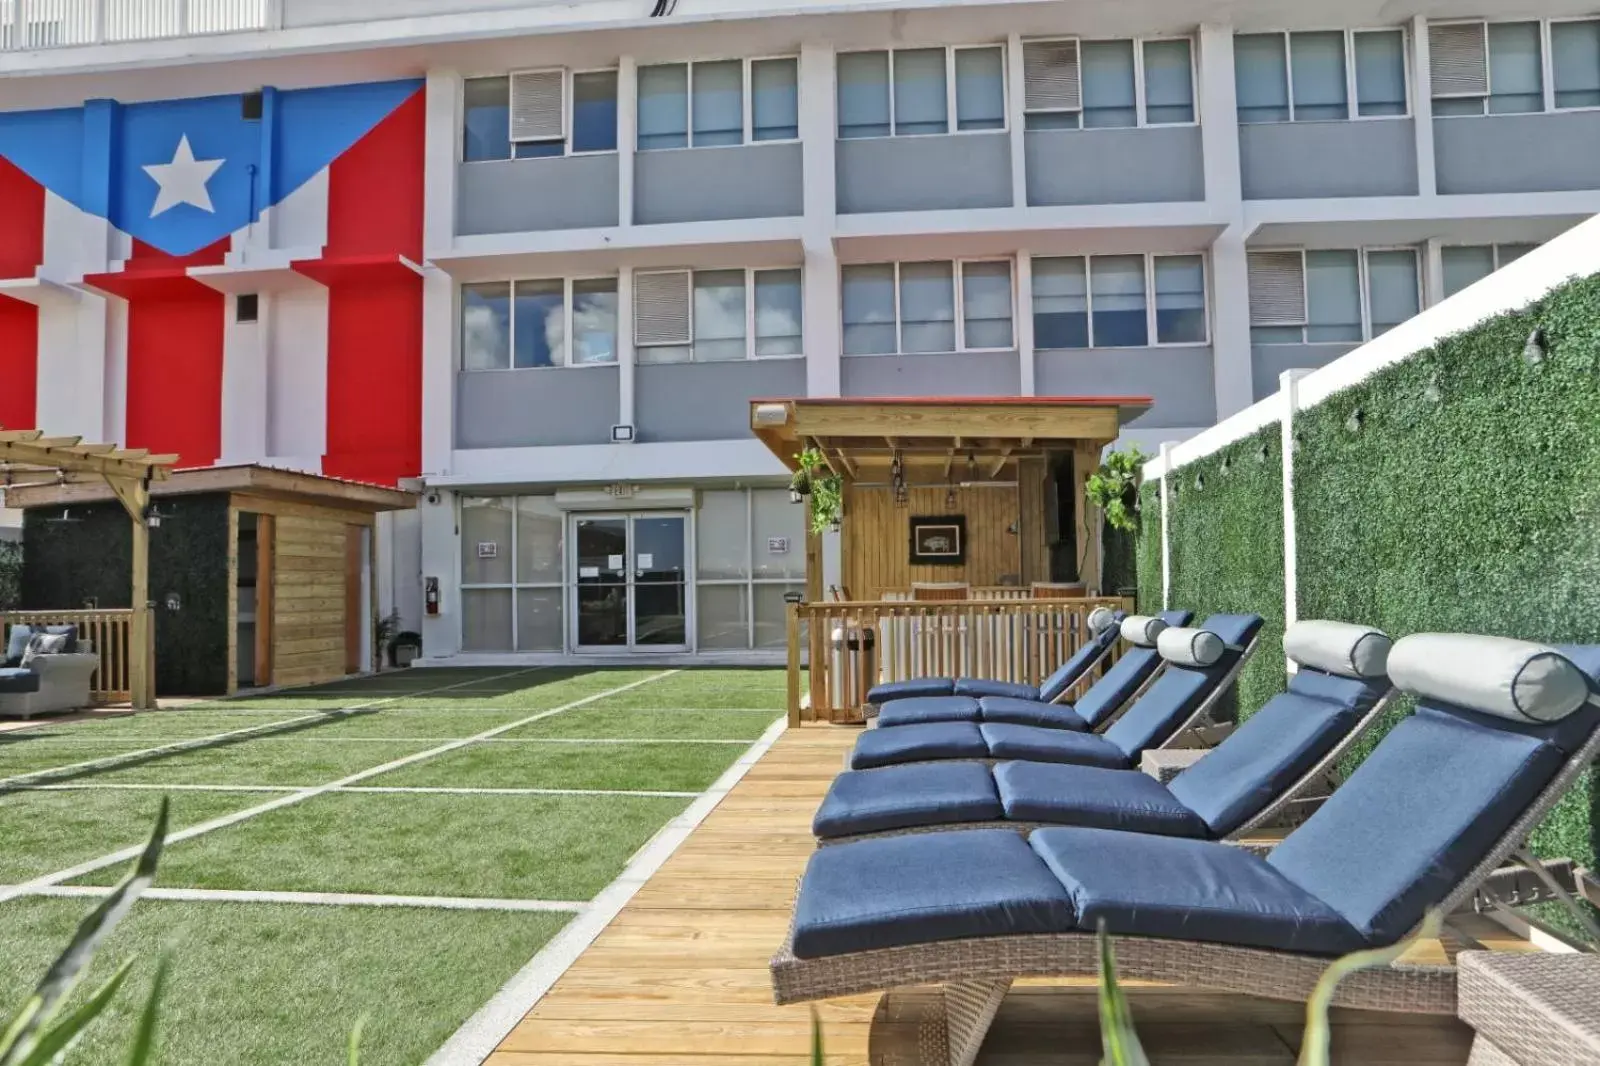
pixel 245 387
pixel 1166 525
pixel 1289 395
pixel 1219 119
pixel 440 160
pixel 71 394
pixel 1016 97
pixel 626 358
pixel 1422 106
pixel 821 278
pixel 1432 272
pixel 627 135
pixel 441 633
pixel 1230 323
pixel 1024 329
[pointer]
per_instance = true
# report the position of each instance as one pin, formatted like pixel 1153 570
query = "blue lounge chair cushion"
pixel 1142 885
pixel 1050 745
pixel 878 695
pixel 915 743
pixel 900 797
pixel 1093 797
pixel 1068 673
pixel 1180 690
pixel 1423 809
pixel 1274 748
pixel 979 687
pixel 920 710
pixel 1030 712
pixel 16 680
pixel 929 887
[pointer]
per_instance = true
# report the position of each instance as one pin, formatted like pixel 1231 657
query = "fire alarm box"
pixel 430 595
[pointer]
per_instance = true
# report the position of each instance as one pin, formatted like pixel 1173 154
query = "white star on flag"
pixel 183 181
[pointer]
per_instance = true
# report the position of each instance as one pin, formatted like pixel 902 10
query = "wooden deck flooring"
pixel 679 978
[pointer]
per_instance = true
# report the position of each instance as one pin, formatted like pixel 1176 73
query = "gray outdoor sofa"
pixel 49 683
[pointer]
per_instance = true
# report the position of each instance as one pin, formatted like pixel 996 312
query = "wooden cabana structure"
pixel 962 525
pixel 28 458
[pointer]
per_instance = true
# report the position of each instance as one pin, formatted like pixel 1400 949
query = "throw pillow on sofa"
pixel 43 644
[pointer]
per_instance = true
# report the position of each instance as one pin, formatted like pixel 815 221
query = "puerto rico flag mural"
pixel 231 278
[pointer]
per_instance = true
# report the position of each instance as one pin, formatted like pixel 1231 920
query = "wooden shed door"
pixel 354 614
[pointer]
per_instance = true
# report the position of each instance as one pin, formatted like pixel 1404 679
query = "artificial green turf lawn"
pixel 404 722
pixel 689 689
pixel 535 692
pixel 299 759
pixel 46 753
pixel 160 725
pixel 602 721
pixel 282 985
pixel 49 831
pixel 663 767
pixel 522 847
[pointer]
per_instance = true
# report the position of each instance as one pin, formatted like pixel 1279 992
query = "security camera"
pixel 433 497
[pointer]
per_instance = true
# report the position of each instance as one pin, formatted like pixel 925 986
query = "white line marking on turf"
pixel 196 743
pixel 332 899
pixel 484 1031
pixel 396 789
pixel 742 742
pixel 124 854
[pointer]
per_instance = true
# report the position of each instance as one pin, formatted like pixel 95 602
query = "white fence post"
pixel 1289 393
pixel 1166 527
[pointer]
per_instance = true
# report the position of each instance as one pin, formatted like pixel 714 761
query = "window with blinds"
pixel 538 106
pixel 716 315
pixel 1331 296
pixel 1507 68
pixel 1076 84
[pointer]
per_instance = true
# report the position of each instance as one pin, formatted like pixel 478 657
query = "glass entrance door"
pixel 631 584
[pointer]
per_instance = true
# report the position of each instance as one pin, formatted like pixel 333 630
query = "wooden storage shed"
pixel 258 576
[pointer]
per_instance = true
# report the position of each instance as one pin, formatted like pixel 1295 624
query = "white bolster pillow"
pixel 1514 679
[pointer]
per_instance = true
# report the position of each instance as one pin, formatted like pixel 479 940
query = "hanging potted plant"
pixel 1114 488
pixel 817 484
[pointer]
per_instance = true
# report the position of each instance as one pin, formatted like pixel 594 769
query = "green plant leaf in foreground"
pixel 1118 1040
pixel 816 1038
pixel 32 1029
pixel 355 1041
pixel 144 1038
pixel 1315 1041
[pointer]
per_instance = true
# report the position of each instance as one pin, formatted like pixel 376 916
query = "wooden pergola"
pixel 29 458
pixel 941 445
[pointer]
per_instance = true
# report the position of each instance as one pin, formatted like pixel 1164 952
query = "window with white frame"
pixel 750 551
pixel 1505 68
pixel 1314 76
pixel 1461 265
pixel 511 573
pixel 705 104
pixel 1118 301
pixel 707 316
pixel 541 322
pixel 1329 296
pixel 529 114
pixel 924 307
pixel 911 91
pixel 1077 84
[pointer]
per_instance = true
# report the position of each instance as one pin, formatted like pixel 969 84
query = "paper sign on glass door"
pixel 614 562
pixel 646 561
pixel 588 571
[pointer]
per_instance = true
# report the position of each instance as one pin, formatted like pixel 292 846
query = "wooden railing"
pixel 108 629
pixel 851 646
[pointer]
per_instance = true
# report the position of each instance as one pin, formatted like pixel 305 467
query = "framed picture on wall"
pixel 938 540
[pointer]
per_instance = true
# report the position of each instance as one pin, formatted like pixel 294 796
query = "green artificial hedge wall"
pixel 1226 512
pixel 1147 551
pixel 67 563
pixel 1457 491
pixel 1460 491
pixel 10 574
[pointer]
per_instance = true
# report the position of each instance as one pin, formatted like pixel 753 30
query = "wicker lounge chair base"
pixel 977 973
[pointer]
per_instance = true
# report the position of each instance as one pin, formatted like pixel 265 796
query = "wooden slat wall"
pixel 308 599
pixel 1035 545
pixel 877 532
